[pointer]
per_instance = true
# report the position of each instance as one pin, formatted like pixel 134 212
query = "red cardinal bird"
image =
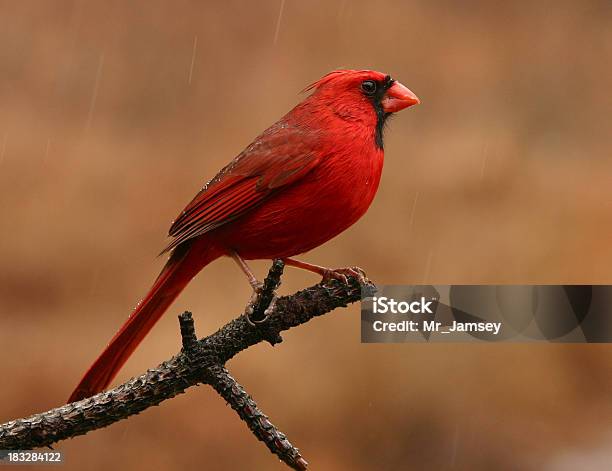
pixel 303 181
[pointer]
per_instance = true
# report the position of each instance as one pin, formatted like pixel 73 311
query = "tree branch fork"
pixel 199 362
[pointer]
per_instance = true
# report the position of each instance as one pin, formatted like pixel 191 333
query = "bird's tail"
pixel 178 271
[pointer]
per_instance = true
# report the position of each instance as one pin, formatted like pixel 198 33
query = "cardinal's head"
pixel 365 97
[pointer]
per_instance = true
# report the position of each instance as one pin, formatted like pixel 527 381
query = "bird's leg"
pixel 327 274
pixel 256 285
pixel 257 291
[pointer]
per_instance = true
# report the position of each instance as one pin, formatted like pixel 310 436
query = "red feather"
pixel 280 156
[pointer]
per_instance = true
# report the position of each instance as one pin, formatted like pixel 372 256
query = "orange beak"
pixel 397 98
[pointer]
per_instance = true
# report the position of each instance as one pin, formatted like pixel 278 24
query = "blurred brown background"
pixel 114 113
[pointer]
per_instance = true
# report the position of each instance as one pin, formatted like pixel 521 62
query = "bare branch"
pixel 199 362
pixel 262 428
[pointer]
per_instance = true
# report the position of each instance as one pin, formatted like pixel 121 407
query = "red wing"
pixel 277 158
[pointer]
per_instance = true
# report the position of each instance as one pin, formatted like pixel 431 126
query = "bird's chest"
pixel 348 180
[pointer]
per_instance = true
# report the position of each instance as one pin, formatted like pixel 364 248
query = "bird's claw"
pixel 270 307
pixel 257 288
pixel 342 274
pixel 254 303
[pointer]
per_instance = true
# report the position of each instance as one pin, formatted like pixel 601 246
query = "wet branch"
pixel 199 362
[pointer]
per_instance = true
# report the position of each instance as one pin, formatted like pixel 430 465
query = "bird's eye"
pixel 368 87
